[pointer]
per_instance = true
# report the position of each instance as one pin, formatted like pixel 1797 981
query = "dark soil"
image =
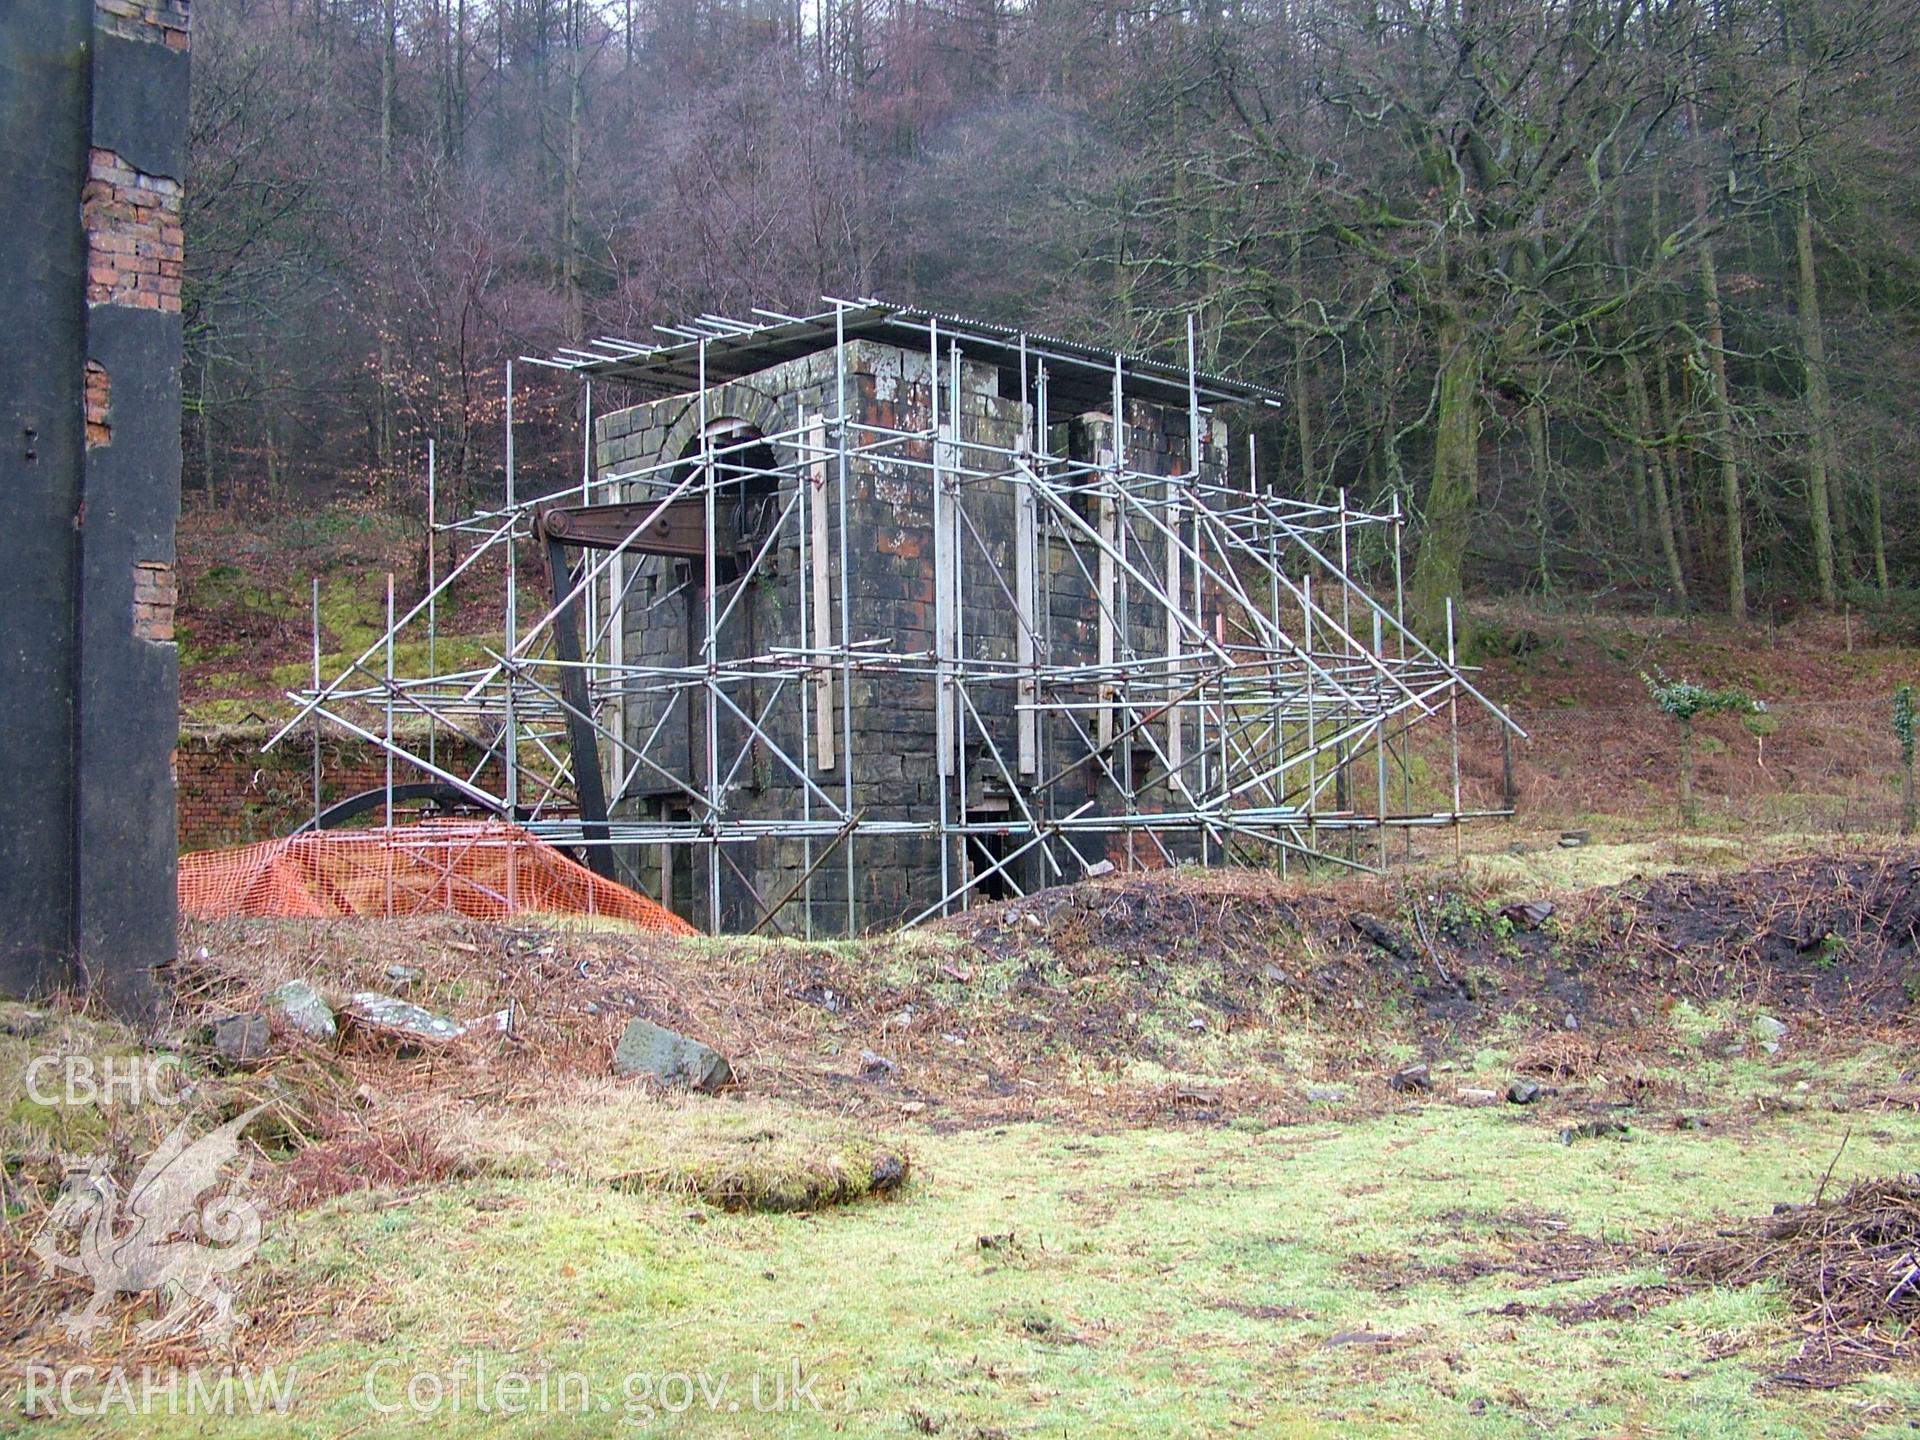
pixel 1830 935
pixel 1817 936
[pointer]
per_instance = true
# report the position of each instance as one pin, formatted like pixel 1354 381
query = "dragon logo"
pixel 146 1240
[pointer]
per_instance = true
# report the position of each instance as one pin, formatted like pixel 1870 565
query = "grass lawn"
pixel 1435 1271
pixel 1160 1182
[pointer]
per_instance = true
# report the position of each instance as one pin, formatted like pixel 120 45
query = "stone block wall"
pixel 890 581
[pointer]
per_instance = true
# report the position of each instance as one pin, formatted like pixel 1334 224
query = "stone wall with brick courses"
pixel 663 616
pixel 891 589
pixel 1156 440
pixel 890 536
pixel 93 126
pixel 99 405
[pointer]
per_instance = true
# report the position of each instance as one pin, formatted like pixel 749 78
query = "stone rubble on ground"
pixel 889 1172
pixel 1595 1130
pixel 1377 933
pixel 1529 914
pixel 1411 1077
pixel 670 1057
pixel 304 1009
pixel 242 1039
pixel 22 1023
pixel 402 1017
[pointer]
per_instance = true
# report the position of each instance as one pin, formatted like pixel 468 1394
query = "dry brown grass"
pixel 1147 997
pixel 1851 1267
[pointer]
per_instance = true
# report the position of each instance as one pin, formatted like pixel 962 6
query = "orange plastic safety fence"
pixel 487 869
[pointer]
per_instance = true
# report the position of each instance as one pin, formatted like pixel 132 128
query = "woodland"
pixel 1617 299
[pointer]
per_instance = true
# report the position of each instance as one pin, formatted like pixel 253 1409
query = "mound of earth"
pixel 1829 935
pixel 1177 993
pixel 1259 1015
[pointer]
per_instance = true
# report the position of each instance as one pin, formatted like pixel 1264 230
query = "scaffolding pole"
pixel 1173 681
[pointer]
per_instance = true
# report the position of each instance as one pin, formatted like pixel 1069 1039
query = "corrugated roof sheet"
pixel 1079 377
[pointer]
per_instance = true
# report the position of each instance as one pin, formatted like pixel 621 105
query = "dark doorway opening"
pixel 984 852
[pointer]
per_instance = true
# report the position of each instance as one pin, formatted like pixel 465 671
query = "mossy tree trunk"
pixel 1722 400
pixel 1456 480
pixel 1689 810
pixel 1655 462
pixel 1813 349
pixel 1907 817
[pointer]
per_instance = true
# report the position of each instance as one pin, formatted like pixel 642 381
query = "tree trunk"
pixel 443 75
pixel 383 438
pixel 1650 467
pixel 1392 473
pixel 271 454
pixel 459 80
pixel 1302 410
pixel 1676 473
pixel 1877 533
pixel 1722 416
pixel 1906 797
pixel 1456 480
pixel 206 439
pixel 570 187
pixel 1689 812
pixel 1656 474
pixel 1813 347
pixel 1640 505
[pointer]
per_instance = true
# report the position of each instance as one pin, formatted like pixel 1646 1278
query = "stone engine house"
pixel 901 748
pixel 859 617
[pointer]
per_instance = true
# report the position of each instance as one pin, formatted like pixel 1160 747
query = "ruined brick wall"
pixel 130 205
pixel 132 220
pixel 131 213
pixel 233 793
pixel 93 111
pixel 99 405
pixel 155 594
pixel 164 21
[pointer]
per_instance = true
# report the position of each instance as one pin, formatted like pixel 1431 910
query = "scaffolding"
pixel 1244 699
